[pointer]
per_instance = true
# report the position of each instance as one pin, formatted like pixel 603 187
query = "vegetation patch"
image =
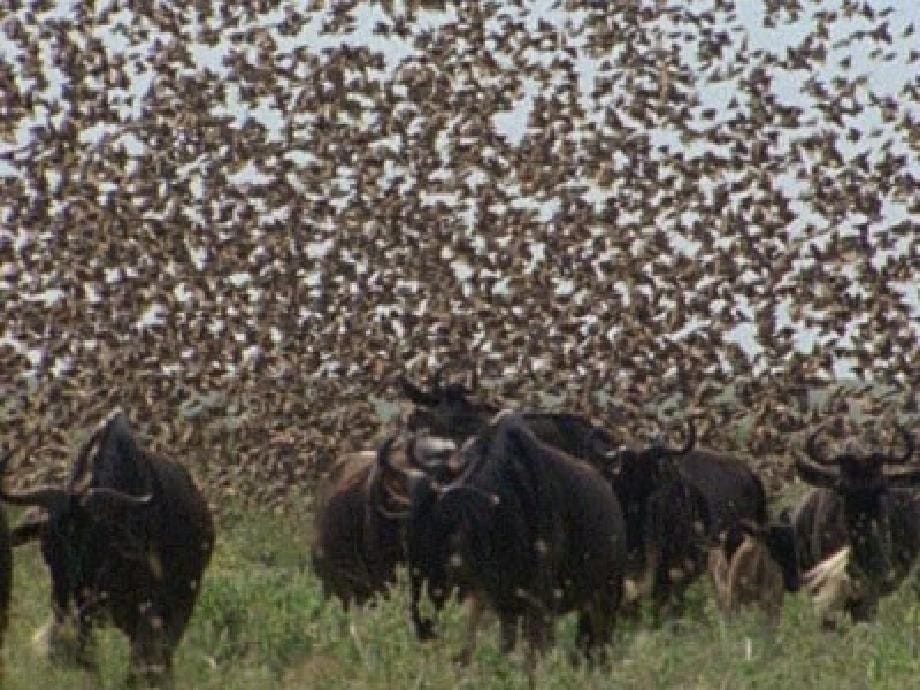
pixel 261 622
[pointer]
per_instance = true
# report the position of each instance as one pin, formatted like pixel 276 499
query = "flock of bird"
pixel 242 221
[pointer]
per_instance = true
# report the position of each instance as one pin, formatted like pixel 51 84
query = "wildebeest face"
pixel 428 532
pixel 434 533
pixel 446 410
pixel 635 475
pixel 636 472
pixel 437 533
pixel 77 528
pixel 867 518
pixel 863 482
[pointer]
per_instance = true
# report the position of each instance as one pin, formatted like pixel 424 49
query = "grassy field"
pixel 261 623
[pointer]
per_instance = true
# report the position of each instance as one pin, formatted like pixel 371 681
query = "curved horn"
pixel 416 394
pixel 426 452
pixel 379 493
pixel 901 478
pixel 908 446
pixel 437 376
pixel 383 455
pixel 77 476
pixel 816 474
pixel 811 447
pixel 51 498
pixel 410 452
pixel 689 440
pixel 111 500
pixel 474 378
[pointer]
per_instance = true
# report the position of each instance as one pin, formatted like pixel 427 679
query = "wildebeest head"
pixel 388 484
pixel 434 518
pixel 863 481
pixel 73 522
pixel 635 473
pixel 447 409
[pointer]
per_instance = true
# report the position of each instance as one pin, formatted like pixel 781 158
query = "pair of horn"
pixel 412 477
pixel 689 441
pixel 819 471
pixel 55 499
pixel 437 378
pixel 380 493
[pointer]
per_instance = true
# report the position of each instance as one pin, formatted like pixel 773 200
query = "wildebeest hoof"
pixel 425 631
pixel 463 658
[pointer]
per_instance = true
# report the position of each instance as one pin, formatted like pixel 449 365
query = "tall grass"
pixel 261 623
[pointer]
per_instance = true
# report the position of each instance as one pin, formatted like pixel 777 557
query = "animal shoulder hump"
pixel 118 443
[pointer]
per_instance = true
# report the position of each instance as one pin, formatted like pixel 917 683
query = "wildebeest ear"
pixel 30 528
pixel 416 394
pixel 817 475
pixel 599 442
pixel 902 478
pixel 615 461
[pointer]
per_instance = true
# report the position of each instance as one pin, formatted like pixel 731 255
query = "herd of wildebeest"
pixel 530 514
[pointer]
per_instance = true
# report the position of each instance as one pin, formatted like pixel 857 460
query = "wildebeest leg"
pixel 650 586
pixel 150 664
pixel 507 631
pixel 472 625
pixel 672 599
pixel 151 654
pixel 83 650
pixel 539 636
pixel 424 627
pixel 718 573
pixel 84 653
pixel 595 628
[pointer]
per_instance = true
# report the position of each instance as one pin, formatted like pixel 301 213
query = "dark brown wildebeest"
pixel 869 502
pixel 527 528
pixel 127 541
pixel 665 519
pixel 744 573
pixel 357 540
pixel 664 510
pixel 446 410
pixel 679 501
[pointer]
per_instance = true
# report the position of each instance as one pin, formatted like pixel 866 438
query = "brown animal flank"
pixel 745 574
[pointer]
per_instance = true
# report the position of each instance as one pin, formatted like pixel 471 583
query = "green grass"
pixel 261 623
